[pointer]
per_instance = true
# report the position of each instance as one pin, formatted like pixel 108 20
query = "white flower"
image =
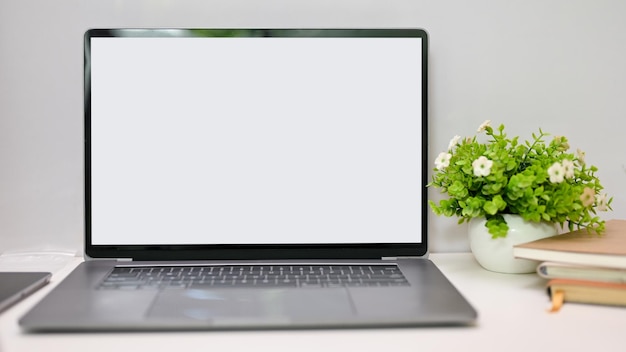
pixel 443 160
pixel 601 202
pixel 568 168
pixel 484 125
pixel 580 155
pixel 482 166
pixel 587 197
pixel 453 142
pixel 556 172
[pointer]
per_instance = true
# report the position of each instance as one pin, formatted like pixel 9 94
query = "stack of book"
pixel 582 267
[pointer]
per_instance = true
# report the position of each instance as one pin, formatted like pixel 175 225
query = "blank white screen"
pixel 255 140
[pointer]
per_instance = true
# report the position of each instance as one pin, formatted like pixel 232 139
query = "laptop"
pixel 254 179
pixel 17 285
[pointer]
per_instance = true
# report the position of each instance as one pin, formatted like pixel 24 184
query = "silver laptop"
pixel 254 178
pixel 17 285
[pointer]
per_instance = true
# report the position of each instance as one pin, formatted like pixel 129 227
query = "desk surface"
pixel 512 312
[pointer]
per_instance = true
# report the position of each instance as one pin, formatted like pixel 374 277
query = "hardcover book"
pixel 582 291
pixel 580 247
pixel 553 270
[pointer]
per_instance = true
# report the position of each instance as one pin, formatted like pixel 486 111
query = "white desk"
pixel 511 308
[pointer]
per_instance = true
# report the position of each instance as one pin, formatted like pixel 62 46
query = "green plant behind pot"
pixel 538 180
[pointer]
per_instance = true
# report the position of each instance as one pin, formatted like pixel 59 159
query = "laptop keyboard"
pixel 253 276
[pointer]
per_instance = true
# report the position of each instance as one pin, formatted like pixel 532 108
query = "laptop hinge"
pixel 407 257
pixel 124 259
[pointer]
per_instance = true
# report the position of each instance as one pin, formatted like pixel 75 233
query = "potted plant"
pixel 501 181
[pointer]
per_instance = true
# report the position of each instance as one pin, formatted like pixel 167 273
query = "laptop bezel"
pixel 260 251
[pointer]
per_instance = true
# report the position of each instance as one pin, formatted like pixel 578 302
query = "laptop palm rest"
pixel 263 306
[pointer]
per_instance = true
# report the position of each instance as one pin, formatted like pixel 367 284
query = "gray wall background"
pixel 559 65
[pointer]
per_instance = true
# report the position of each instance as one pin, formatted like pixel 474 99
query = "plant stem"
pixel 532 146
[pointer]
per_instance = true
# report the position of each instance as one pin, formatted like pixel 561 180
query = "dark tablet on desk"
pixel 16 285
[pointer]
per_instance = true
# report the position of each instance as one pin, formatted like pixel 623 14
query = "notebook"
pixel 292 162
pixel 15 286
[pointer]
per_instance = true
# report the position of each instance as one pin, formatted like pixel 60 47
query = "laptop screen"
pixel 259 138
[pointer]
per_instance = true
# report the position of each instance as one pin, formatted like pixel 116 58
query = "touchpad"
pixel 254 305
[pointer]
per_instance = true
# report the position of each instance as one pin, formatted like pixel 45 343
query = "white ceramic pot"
pixel 496 254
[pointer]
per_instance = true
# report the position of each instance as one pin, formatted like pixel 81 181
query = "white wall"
pixel 559 65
